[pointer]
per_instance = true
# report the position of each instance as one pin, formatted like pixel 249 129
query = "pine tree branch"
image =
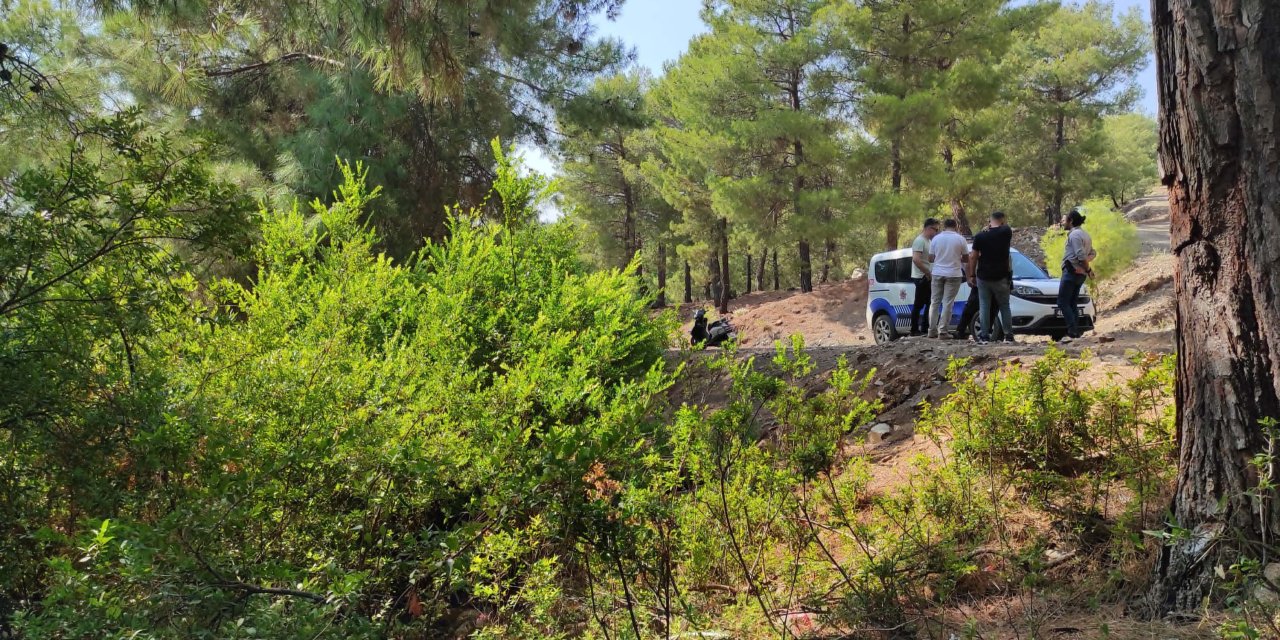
pixel 288 57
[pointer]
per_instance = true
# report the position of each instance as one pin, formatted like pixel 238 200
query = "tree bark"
pixel 777 286
pixel 723 302
pixel 760 276
pixel 749 273
pixel 713 268
pixel 895 180
pixel 1054 214
pixel 806 268
pixel 661 300
pixel 1219 88
pixel 828 260
pixel 688 283
pixel 955 199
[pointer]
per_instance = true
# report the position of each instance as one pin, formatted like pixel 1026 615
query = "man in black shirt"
pixel 990 268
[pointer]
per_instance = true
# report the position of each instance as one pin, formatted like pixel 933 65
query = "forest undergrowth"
pixel 489 440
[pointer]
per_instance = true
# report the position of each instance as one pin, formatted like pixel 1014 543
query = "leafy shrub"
pixel 1064 444
pixel 1114 238
pixel 353 447
pixel 89 248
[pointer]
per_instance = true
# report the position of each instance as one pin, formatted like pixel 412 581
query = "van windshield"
pixel 1025 269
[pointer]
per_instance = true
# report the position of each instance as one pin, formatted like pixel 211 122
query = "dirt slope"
pixel 1140 299
pixel 833 315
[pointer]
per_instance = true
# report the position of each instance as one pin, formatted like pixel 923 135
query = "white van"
pixel 1034 302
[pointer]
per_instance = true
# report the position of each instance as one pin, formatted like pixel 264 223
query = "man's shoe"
pixel 1067 340
pixel 982 342
pixel 1009 340
pixel 933 335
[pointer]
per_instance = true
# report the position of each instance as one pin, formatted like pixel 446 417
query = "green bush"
pixel 1062 443
pixel 353 447
pixel 1114 238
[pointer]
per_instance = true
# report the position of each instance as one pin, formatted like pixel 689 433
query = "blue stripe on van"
pixel 902 314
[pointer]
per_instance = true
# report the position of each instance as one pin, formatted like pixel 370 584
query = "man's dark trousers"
pixel 919 316
pixel 1069 297
pixel 970 312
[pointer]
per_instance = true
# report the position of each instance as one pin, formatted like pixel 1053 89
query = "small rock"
pixel 1272 572
pixel 802 624
pixel 778 323
pixel 1262 593
pixel 1106 339
pixel 879 433
pixel 1053 555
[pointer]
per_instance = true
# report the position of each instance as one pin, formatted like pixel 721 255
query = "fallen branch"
pixel 716 588
pixel 288 57
pixel 253 589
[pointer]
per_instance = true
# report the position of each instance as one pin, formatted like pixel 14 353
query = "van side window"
pixel 886 272
pixel 895 270
pixel 904 269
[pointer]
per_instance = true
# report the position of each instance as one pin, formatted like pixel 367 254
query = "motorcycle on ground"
pixel 714 334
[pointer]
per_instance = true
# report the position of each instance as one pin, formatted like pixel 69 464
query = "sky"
pixel 660 30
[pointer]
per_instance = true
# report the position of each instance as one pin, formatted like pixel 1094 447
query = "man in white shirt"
pixel 948 251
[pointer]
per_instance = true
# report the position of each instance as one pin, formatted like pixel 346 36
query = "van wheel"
pixel 883 329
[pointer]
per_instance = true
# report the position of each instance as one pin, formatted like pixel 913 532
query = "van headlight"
pixel 1024 290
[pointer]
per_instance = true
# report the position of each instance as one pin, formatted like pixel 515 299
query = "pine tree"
pixel 925 71
pixel 600 185
pixel 1126 168
pixel 1077 67
pixel 765 105
pixel 415 89
pixel 689 109
pixel 607 138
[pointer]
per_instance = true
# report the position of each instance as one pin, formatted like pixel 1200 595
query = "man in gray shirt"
pixel 1075 271
pixel 922 276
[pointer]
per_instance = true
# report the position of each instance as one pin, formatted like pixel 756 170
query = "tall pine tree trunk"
pixel 748 273
pixel 764 254
pixel 1219 119
pixel 806 265
pixel 777 283
pixel 1054 214
pixel 828 260
pixel 891 239
pixel 688 283
pixel 723 302
pixel 955 199
pixel 639 264
pixel 806 268
pixel 713 268
pixel 661 300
